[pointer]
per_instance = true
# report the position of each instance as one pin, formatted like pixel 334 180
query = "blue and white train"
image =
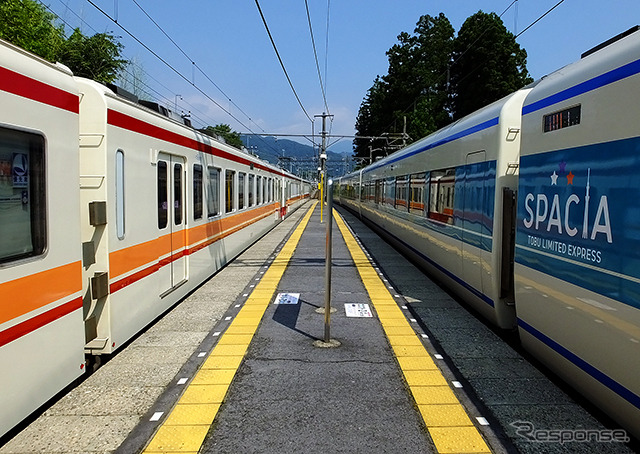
pixel 530 210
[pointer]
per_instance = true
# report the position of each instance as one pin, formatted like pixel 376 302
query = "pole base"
pixel 321 310
pixel 331 344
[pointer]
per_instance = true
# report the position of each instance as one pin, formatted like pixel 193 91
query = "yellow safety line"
pixel 185 428
pixel 446 419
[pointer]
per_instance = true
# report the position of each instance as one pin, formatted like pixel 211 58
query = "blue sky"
pixel 227 40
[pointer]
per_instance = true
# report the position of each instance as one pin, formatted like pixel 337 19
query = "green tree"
pixel 231 137
pixel 414 89
pixel 488 64
pixel 432 47
pixel 95 57
pixel 27 24
pixel 371 120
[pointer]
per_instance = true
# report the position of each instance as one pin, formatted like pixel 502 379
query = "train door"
pixel 171 222
pixel 473 210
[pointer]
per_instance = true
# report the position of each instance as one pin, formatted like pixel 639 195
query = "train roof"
pixel 477 121
pixel 588 73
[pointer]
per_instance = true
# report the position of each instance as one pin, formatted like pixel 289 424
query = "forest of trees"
pixel 436 77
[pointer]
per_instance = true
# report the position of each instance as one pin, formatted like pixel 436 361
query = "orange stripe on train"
pixel 21 296
pixel 150 252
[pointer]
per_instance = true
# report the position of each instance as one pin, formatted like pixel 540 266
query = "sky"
pixel 219 63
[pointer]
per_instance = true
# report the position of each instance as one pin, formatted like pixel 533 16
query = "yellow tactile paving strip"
pixel 187 425
pixel 449 425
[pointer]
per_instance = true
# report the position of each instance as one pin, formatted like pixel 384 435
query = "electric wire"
pixel 195 65
pixel 326 57
pixel 178 73
pixel 275 48
pixel 540 18
pixel 158 96
pixel 146 89
pixel 443 75
pixel 315 54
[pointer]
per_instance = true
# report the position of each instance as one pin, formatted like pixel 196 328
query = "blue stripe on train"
pixel 597 374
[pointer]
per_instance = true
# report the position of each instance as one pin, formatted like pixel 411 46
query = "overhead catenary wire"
pixel 171 67
pixel 147 89
pixel 195 65
pixel 155 54
pixel 514 2
pixel 275 48
pixel 315 54
pixel 540 18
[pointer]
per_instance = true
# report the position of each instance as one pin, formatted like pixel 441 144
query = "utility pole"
pixel 323 160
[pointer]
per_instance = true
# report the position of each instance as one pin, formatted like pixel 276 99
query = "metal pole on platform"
pixel 327 266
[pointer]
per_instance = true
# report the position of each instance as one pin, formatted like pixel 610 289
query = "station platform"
pixel 241 366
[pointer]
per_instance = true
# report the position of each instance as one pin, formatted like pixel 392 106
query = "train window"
pixel 270 189
pixel 229 195
pixel 416 193
pixel 197 191
pixel 264 190
pixel 402 187
pixel 259 190
pixel 22 195
pixel 252 189
pixel 562 119
pixel 213 192
pixel 120 194
pixel 163 214
pixel 177 194
pixel 367 191
pixel 242 177
pixel 379 191
pixel 441 195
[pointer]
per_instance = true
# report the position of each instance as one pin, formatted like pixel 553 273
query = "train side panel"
pixel 578 229
pixel 179 206
pixel 442 200
pixel 41 326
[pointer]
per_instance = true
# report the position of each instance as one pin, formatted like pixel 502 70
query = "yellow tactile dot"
pixel 251 308
pixel 204 394
pixel 409 350
pixel 214 377
pixel 416 362
pixel 396 321
pixel 229 350
pixel 192 414
pixel 222 362
pixel 424 378
pixel 404 330
pixel 257 303
pixel 389 312
pixel 249 317
pixel 458 440
pixel 410 340
pixel 237 328
pixel 235 339
pixel 178 439
pixel 383 303
pixel 378 291
pixel 428 395
pixel 423 362
pixel 259 295
pixel 448 415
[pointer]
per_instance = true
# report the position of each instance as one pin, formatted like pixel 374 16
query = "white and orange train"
pixel 110 213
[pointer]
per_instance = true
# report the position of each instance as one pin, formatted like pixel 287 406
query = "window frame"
pixel 34 194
